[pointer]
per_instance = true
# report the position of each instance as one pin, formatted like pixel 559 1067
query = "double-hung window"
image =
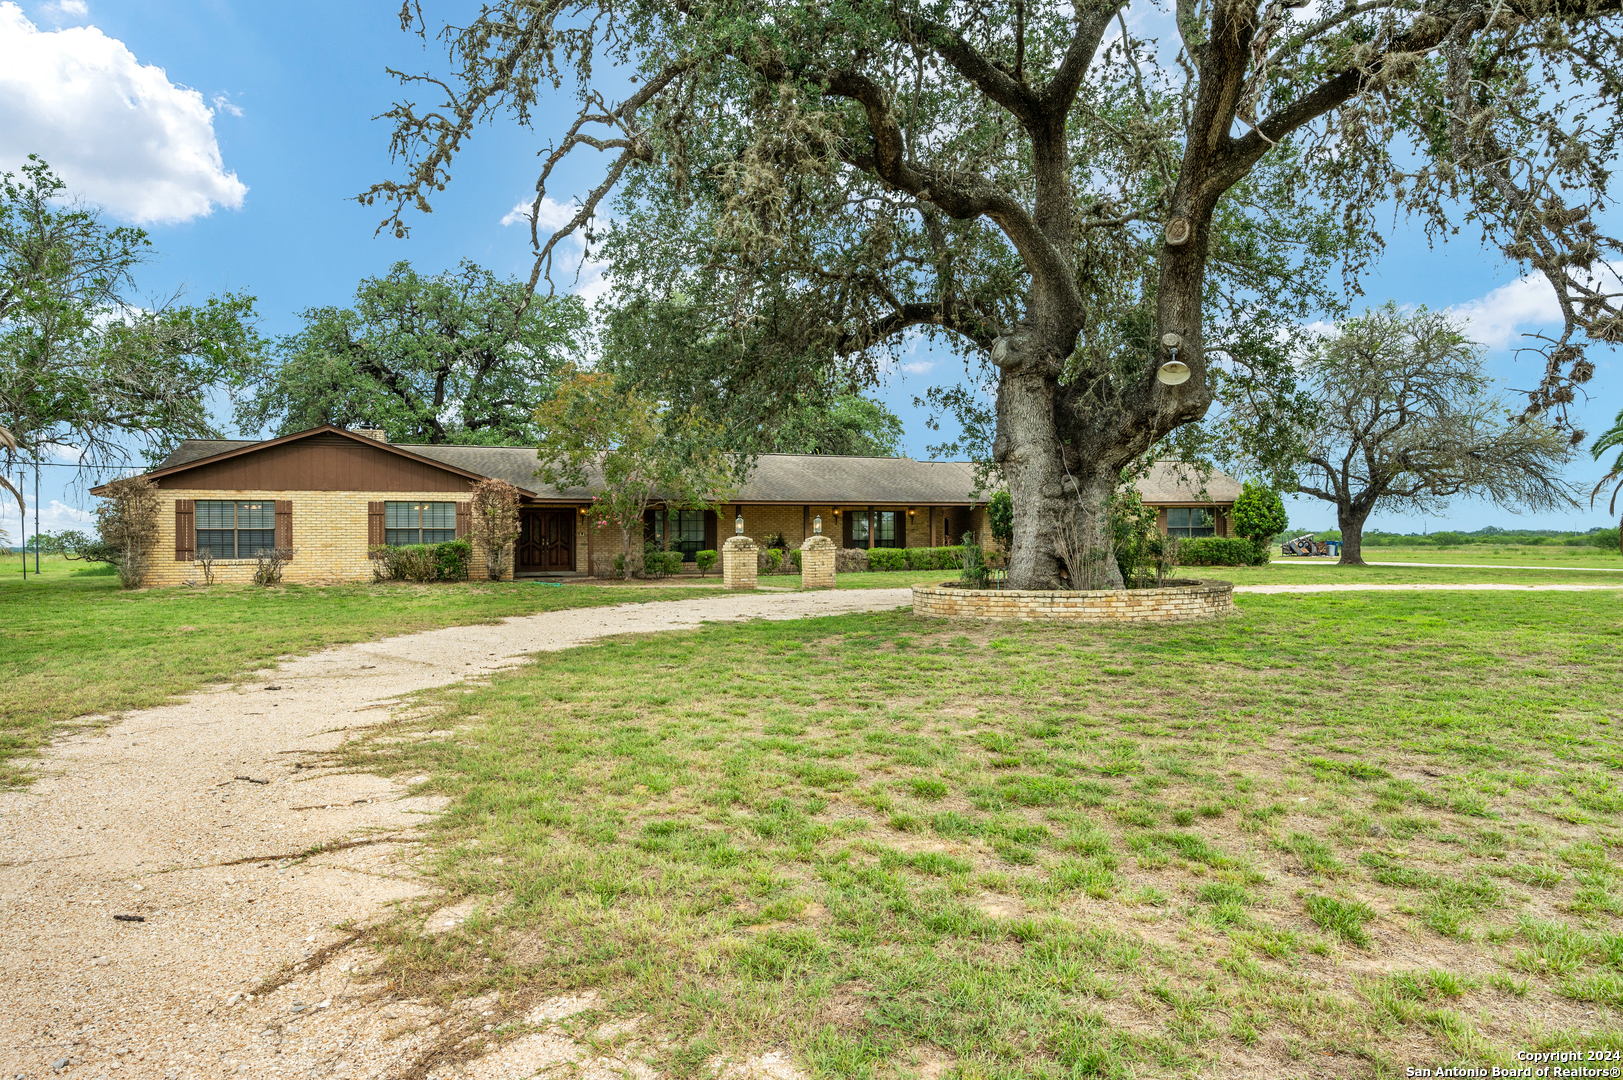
pixel 1187 522
pixel 235 530
pixel 418 522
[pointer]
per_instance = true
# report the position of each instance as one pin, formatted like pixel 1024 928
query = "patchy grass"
pixel 1333 836
pixel 77 645
pixel 1282 573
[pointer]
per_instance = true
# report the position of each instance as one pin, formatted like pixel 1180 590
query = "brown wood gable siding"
pixel 185 530
pixel 319 463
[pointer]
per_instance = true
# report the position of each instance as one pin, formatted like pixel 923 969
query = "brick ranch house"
pixel 330 495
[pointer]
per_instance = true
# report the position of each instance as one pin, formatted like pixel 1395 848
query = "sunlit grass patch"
pixel 1011 859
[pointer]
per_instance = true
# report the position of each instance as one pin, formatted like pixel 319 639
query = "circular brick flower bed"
pixel 1179 600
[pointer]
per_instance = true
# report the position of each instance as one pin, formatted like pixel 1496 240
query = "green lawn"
pixel 1502 555
pixel 76 644
pixel 1280 572
pixel 1336 835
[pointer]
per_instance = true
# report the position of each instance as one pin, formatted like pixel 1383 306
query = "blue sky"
pixel 238 135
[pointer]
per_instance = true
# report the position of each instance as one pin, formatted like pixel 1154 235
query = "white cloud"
pixel 591 283
pixel 222 103
pixel 53 517
pixel 1498 319
pixel 67 9
pixel 918 367
pixel 552 215
pixel 118 131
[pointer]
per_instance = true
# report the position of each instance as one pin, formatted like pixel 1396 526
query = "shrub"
pixel 127 519
pixel 706 560
pixel 268 569
pixel 1221 551
pixel 494 512
pixel 422 562
pixel 770 560
pixel 934 558
pixel 794 557
pixel 95 551
pixel 659 564
pixel 850 560
pixel 887 559
pixel 1259 514
pixel 1000 518
pixel 975 574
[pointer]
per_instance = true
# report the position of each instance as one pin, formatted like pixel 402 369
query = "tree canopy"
pixel 1407 422
pixel 633 453
pixel 1088 214
pixel 458 357
pixel 85 367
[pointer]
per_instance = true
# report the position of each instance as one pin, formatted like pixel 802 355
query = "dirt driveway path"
pixel 1394 587
pixel 148 879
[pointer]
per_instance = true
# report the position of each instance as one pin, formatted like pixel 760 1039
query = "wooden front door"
pixel 546 541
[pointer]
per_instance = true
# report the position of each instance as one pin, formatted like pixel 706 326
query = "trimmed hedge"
pixel 887 559
pixel 422 562
pixel 914 558
pixel 1221 551
pixel 935 558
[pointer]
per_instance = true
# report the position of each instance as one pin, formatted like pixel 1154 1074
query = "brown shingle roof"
pixel 1178 482
pixel 817 479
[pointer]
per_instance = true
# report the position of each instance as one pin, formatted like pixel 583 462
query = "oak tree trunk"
pixel 1350 520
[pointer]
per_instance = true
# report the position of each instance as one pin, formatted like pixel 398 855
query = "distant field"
pixel 1501 555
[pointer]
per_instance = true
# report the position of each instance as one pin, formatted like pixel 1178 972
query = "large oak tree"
pixel 1075 204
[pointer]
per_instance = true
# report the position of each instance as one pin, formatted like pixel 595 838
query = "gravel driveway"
pixel 147 880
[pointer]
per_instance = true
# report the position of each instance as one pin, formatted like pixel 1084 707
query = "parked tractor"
pixel 1304 545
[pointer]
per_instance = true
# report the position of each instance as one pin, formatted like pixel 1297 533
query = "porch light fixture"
pixel 817 525
pixel 738 524
pixel 1174 371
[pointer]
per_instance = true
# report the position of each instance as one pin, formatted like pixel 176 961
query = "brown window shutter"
pixel 284 524
pixel 185 530
pixel 374 524
pixel 711 527
pixel 464 520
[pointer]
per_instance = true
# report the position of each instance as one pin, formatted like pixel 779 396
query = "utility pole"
pixel 36 517
pixel 22 522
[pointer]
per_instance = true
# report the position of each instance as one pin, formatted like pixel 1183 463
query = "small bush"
pixel 794 558
pixel 422 562
pixel 268 569
pixel 659 564
pixel 1221 551
pixel 934 558
pixel 771 560
pixel 706 561
pixel 850 560
pixel 887 559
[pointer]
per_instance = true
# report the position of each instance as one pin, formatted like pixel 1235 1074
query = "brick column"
pixel 817 563
pixel 738 558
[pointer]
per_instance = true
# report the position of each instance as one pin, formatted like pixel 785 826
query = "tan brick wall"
pixel 738 557
pixel 330 533
pixel 817 563
pixel 1198 600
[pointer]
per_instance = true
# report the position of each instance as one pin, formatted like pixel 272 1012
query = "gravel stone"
pixel 174 997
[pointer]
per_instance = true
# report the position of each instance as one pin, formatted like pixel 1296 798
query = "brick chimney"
pixel 371 433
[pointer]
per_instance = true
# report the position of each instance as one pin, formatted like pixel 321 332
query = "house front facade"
pixel 330 496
